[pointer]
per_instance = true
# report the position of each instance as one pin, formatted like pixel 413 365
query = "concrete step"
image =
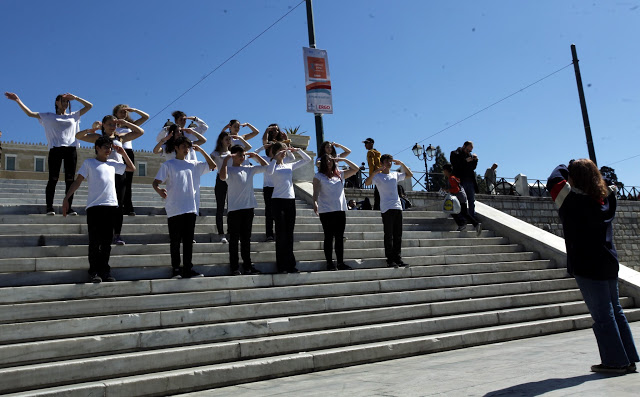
pixel 322 350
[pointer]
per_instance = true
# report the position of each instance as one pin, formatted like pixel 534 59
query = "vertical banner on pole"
pixel 317 81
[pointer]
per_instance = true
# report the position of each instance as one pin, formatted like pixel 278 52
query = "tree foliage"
pixel 609 175
pixel 437 178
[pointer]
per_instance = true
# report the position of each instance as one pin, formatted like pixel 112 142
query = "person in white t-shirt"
pixel 60 129
pixel 166 145
pixel 390 206
pixel 239 178
pixel 284 204
pixel 123 112
pixel 180 119
pixel 234 129
pixel 109 127
pixel 102 204
pixel 182 178
pixel 223 144
pixel 330 204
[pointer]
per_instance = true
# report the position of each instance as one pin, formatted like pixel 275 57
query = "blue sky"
pixel 401 72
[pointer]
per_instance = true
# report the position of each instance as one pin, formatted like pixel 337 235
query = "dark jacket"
pixel 463 169
pixel 588 229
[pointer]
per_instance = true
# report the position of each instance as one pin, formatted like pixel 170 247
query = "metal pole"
pixel 583 105
pixel 312 44
pixel 426 169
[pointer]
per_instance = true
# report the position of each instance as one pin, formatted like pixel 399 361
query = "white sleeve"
pixel 161 134
pixel 119 167
pixel 305 159
pixel 162 173
pixel 271 168
pixel 84 170
pixel 201 126
pixel 401 176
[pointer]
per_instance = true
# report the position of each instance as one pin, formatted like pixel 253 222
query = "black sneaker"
pixel 50 211
pixel 401 263
pixel 252 270
pixel 190 273
pixel 331 266
pixel 293 270
pixel 236 273
pixel 108 278
pixel 631 368
pixel 176 274
pixel 95 278
pixel 606 369
pixel 344 266
pixel 72 212
pixel 270 239
pixel 392 264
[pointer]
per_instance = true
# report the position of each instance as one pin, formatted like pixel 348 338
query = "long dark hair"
pixel 170 144
pixel 55 105
pixel 275 136
pixel 585 176
pixel 333 149
pixel 323 169
pixel 219 142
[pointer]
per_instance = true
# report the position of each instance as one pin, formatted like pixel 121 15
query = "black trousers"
pixel 284 215
pixel 58 155
pixel 464 216
pixel 333 225
pixel 128 204
pixel 239 225
pixel 100 225
pixel 121 189
pixel 376 199
pixel 392 223
pixel 181 230
pixel 267 192
pixel 221 196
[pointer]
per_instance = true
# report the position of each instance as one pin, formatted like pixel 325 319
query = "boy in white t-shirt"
pixel 183 187
pixel 102 204
pixel 390 206
pixel 241 202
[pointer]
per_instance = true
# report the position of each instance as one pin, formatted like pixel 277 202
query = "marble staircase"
pixel 148 335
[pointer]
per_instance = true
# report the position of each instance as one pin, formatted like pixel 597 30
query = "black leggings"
pixel 100 224
pixel 333 225
pixel 267 192
pixel 57 155
pixel 221 196
pixel 284 215
pixel 128 204
pixel 181 230
pixel 121 188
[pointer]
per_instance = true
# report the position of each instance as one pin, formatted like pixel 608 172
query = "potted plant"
pixel 297 139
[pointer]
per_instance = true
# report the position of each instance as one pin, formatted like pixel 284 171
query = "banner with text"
pixel 317 81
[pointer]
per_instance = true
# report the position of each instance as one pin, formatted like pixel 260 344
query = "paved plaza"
pixel 553 365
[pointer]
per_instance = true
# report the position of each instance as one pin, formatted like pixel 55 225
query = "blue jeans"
pixel 610 326
pixel 470 190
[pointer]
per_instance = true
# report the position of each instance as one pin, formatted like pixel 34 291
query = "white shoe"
pixel 224 240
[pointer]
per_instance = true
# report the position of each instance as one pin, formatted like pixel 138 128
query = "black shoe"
pixel 401 263
pixel 190 273
pixel 72 212
pixel 293 270
pixel 251 270
pixel 344 266
pixel 606 369
pixel 331 266
pixel 95 278
pixel 176 273
pixel 50 211
pixel 108 278
pixel 236 273
pixel 631 368
pixel 392 264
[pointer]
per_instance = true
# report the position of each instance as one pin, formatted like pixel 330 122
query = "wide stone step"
pixel 64 301
pixel 217 247
pixel 361 339
pixel 82 326
pixel 122 260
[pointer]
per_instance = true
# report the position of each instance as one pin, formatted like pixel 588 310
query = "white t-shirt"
pixel 240 193
pixel 183 185
pixel 387 185
pixel 115 156
pixel 331 197
pixel 190 156
pixel 102 182
pixel 201 127
pixel 218 158
pixel 282 176
pixel 61 129
pixel 266 181
pixel 122 131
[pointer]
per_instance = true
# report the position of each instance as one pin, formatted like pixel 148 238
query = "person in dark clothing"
pixel 464 164
pixel 587 208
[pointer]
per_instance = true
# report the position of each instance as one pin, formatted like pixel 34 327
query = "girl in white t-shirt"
pixel 223 144
pixel 284 204
pixel 60 129
pixel 330 204
pixel 109 126
pixel 329 148
pixel 123 112
pixel 102 204
pixel 234 129
pixel 166 145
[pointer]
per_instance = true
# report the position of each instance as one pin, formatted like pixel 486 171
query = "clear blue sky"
pixel 401 71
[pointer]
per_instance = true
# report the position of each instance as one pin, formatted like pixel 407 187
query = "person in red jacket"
pixel 587 208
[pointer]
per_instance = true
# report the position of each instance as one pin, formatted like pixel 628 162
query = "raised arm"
pixel 254 131
pixel 257 158
pixel 305 158
pixel 208 159
pixel 136 131
pixel 346 150
pixel 353 167
pixel 201 127
pixel 158 148
pixel 12 96
pixel 405 169
pixel 125 157
pixel 222 172
pixel 87 105
pixel 246 144
pixel 143 116
pixel 200 141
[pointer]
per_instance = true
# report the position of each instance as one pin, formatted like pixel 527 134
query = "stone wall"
pixel 541 212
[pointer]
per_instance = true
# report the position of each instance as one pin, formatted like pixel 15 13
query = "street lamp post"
pixel 425 154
